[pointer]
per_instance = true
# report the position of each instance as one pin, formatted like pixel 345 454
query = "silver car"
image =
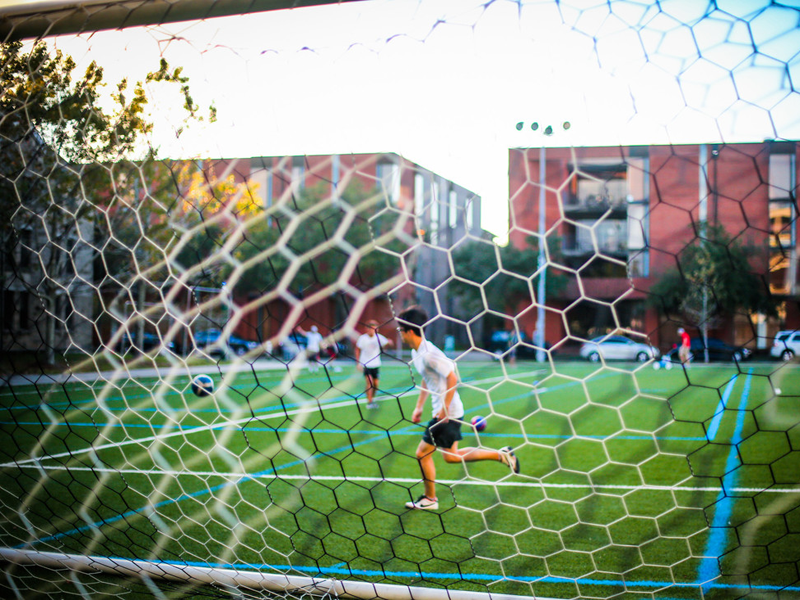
pixel 617 347
pixel 786 345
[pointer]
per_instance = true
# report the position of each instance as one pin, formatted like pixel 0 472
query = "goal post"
pixel 230 578
pixel 20 19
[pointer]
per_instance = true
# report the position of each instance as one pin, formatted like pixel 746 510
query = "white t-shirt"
pixel 434 367
pixel 313 340
pixel 370 347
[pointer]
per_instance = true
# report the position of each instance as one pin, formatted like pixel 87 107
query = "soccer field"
pixel 671 484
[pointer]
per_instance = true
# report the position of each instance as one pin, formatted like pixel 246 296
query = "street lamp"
pixel 542 260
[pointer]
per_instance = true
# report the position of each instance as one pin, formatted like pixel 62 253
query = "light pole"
pixel 540 293
pixel 542 260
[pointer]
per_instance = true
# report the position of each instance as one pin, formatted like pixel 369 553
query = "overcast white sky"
pixel 444 82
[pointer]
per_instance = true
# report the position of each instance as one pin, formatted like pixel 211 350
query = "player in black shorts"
pixel 439 381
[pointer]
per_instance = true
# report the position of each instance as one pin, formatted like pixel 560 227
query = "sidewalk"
pixel 261 364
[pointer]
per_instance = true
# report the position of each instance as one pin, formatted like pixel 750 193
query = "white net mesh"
pixel 191 265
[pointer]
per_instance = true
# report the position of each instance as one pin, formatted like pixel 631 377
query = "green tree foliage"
pixel 58 181
pixel 353 239
pixel 713 277
pixel 501 277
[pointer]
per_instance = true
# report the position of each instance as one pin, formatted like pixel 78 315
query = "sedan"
pixel 617 347
pixel 233 344
pixel 717 351
pixel 293 345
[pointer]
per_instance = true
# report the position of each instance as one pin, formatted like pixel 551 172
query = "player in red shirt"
pixel 686 342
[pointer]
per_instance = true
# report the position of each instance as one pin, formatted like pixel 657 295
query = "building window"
pixel 781 176
pixel 434 214
pixel 388 175
pixel 261 177
pixel 298 173
pixel 25 243
pixel 8 310
pixel 419 203
pixel 336 168
pixel 638 264
pixel 607 203
pixel 783 221
pixel 469 209
pixel 452 209
pixel 781 201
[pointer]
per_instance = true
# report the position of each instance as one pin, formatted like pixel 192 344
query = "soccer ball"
pixel 202 385
pixel 479 423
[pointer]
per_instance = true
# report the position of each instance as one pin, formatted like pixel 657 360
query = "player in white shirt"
pixel 313 347
pixel 368 358
pixel 439 381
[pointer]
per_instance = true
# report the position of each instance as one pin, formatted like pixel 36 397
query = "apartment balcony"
pixel 577 206
pixel 573 247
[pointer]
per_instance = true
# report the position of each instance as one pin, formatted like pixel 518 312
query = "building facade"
pixel 622 216
pixel 432 212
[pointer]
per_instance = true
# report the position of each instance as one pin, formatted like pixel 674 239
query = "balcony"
pixel 573 246
pixel 595 204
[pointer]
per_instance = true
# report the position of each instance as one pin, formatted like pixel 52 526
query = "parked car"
pixel 617 347
pixel 150 341
pixel 233 344
pixel 293 345
pixel 500 340
pixel 786 345
pixel 717 351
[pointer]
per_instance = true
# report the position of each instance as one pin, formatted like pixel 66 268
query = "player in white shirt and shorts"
pixel 368 358
pixel 439 381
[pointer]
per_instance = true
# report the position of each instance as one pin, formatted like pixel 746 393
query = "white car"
pixel 617 347
pixel 786 345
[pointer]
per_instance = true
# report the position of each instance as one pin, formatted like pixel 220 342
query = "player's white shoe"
pixel 509 458
pixel 423 503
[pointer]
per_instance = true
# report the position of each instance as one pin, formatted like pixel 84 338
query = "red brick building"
pixel 432 211
pixel 622 215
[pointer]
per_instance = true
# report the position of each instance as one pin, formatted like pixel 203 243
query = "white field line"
pixel 235 477
pixel 180 433
pixel 310 408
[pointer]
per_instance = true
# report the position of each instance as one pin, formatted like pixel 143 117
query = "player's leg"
pixel 370 386
pixel 371 376
pixel 428 500
pixel 506 455
pixel 373 403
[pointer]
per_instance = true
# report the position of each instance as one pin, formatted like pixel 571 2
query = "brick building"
pixel 623 215
pixel 434 212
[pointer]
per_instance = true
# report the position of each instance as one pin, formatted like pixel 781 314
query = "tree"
pixel 713 278
pixel 507 274
pixel 325 234
pixel 57 180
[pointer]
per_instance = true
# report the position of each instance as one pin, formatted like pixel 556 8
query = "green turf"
pixel 620 478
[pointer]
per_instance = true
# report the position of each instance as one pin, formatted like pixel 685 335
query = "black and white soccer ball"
pixel 202 385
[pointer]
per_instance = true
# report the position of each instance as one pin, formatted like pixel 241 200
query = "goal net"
pixel 215 218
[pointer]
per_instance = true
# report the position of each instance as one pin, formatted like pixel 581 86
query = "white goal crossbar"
pixel 241 579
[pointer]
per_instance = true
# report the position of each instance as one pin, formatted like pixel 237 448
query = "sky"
pixel 445 82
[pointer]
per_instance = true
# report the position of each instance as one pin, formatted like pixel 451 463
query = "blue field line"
pixel 709 570
pixel 723 402
pixel 405 431
pixel 343 570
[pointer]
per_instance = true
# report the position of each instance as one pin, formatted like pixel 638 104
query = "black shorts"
pixel 370 372
pixel 443 435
